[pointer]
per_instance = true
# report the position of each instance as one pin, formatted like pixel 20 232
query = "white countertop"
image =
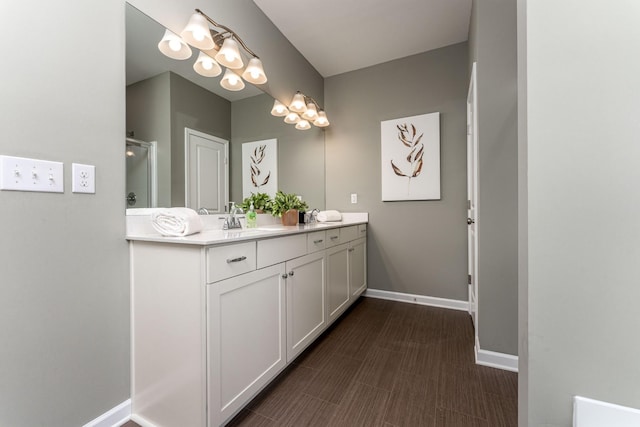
pixel 216 236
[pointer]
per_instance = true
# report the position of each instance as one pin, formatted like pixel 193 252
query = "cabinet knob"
pixel 351 249
pixel 291 273
pixel 284 276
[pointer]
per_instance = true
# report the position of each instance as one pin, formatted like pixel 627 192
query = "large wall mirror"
pixel 168 103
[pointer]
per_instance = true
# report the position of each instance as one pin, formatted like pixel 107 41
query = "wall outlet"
pixel 22 174
pixel 83 178
pixel 354 198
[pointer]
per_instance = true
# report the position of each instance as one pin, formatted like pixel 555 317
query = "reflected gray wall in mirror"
pixel 164 96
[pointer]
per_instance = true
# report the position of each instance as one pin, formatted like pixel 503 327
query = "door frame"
pixel 472 197
pixel 187 133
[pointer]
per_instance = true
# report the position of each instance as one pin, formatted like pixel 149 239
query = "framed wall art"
pixel 260 167
pixel 410 155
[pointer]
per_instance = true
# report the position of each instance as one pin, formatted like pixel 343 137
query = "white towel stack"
pixel 329 216
pixel 176 222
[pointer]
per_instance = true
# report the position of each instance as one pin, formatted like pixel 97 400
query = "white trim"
pixel 113 417
pixel 418 299
pixel 493 359
pixel 141 421
pixel 595 413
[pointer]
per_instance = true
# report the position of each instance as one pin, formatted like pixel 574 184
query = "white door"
pixel 472 197
pixel 206 171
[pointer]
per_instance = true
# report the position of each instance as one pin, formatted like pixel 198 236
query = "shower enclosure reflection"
pixel 141 183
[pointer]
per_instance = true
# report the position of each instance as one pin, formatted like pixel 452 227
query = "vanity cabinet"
pixel 246 338
pixel 306 308
pixel 213 324
pixel 337 280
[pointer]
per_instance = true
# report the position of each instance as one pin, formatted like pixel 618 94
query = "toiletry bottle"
pixel 252 217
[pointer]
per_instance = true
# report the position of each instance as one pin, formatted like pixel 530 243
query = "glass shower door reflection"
pixel 140 185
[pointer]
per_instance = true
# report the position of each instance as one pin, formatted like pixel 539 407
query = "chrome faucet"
pixel 233 220
pixel 203 211
pixel 313 216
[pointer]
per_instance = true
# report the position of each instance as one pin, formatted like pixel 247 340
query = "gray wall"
pixel 300 153
pixel 195 108
pixel 417 247
pixel 492 40
pixel 148 117
pixel 582 145
pixel 64 304
pixel 64 309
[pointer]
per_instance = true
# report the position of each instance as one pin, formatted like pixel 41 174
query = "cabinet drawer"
pixel 348 233
pixel 316 241
pixel 362 230
pixel 231 260
pixel 333 237
pixel 280 249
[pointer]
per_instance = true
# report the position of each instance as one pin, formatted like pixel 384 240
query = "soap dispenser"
pixel 252 217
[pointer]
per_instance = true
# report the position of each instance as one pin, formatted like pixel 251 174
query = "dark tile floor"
pixel 389 364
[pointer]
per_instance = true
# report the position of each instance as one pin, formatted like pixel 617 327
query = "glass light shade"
pixel 232 81
pixel 303 125
pixel 322 120
pixel 173 46
pixel 229 55
pixel 279 109
pixel 197 32
pixel 297 103
pixel 254 73
pixel 292 118
pixel 207 66
pixel 311 114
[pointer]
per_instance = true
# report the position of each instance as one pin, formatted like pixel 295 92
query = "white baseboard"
pixel 113 417
pixel 595 413
pixel 418 299
pixel 508 362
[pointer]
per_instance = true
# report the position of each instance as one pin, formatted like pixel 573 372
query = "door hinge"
pixel 469 279
pixel 468 204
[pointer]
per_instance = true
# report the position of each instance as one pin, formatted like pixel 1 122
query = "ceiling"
pixel 337 36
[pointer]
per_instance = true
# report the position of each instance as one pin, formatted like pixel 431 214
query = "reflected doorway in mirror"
pixel 260 167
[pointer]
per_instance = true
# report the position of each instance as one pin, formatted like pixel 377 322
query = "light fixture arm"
pixel 228 31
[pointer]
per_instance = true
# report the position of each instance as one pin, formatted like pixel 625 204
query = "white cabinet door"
pixel 337 280
pixel 246 338
pixel 357 267
pixel 306 308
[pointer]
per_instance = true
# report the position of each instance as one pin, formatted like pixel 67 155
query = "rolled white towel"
pixel 329 216
pixel 176 222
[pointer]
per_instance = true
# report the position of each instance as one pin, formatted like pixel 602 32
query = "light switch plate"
pixel 23 174
pixel 83 178
pixel 354 198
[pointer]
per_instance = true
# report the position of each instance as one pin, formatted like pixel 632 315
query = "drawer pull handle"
pixel 240 258
pixel 334 237
pixel 315 242
pixel 363 231
pixel 351 249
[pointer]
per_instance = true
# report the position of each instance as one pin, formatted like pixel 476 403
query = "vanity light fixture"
pixel 303 110
pixel 207 66
pixel 303 125
pixel 218 46
pixel 231 81
pixel 173 46
pixel 279 109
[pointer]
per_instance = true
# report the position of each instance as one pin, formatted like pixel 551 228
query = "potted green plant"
pixel 261 202
pixel 287 206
